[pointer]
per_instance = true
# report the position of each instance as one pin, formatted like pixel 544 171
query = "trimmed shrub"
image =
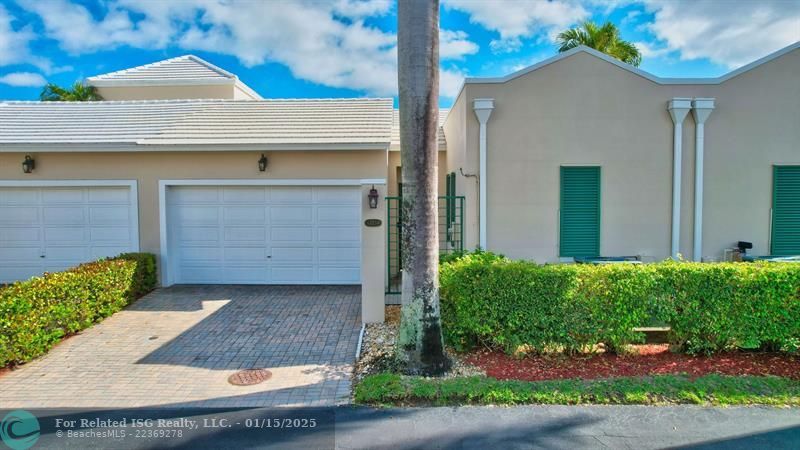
pixel 146 274
pixel 498 303
pixel 37 313
pixel 712 307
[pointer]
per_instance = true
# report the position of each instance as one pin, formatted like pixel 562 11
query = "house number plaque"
pixel 373 222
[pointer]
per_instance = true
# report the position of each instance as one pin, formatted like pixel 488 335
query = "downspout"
pixel 701 109
pixel 483 109
pixel 678 108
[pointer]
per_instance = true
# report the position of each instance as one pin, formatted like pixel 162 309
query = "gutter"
pixel 701 109
pixel 483 108
pixel 678 109
pixel 360 340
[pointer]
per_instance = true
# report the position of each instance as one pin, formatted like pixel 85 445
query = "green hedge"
pixel 492 301
pixel 36 314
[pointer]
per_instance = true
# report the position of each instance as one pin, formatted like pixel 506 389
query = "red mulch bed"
pixel 650 360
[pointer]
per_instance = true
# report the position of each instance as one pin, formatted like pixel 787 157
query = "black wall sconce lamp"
pixel 29 164
pixel 262 163
pixel 373 197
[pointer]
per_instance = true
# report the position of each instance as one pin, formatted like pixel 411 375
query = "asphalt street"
pixel 523 427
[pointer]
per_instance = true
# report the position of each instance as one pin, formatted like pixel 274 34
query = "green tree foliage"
pixel 603 38
pixel 78 92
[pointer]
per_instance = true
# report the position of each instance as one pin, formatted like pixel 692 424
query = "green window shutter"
pixel 580 212
pixel 452 186
pixel 786 211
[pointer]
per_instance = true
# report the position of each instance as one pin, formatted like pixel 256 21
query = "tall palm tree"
pixel 603 38
pixel 419 341
pixel 79 92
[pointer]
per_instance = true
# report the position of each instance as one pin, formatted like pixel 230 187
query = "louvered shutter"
pixel 580 211
pixel 786 211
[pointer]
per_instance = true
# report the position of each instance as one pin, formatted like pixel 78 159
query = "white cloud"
pixel 449 82
pixel 649 51
pixel 362 8
pixel 14 43
pixel 77 31
pixel 23 79
pixel 325 42
pixel 455 45
pixel 508 45
pixel 726 32
pixel 516 19
pixel 304 37
pixel 631 17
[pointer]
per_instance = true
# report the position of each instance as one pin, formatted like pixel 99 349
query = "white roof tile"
pixel 201 122
pixel 395 146
pixel 180 69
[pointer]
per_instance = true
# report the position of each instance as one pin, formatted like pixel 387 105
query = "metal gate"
pixel 451 235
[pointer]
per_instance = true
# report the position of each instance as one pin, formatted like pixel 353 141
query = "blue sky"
pixel 347 48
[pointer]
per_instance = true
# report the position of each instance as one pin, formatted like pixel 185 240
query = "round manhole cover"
pixel 249 377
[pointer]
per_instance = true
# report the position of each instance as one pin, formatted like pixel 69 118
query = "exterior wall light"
pixel 262 163
pixel 373 198
pixel 29 164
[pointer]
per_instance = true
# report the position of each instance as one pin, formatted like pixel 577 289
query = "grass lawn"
pixel 722 390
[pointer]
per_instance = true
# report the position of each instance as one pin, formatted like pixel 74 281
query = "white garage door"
pixel 264 234
pixel 48 229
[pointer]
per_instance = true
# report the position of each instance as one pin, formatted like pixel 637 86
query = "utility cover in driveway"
pixel 249 377
pixel 264 234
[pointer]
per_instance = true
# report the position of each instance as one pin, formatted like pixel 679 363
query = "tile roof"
pixel 199 122
pixel 395 146
pixel 175 70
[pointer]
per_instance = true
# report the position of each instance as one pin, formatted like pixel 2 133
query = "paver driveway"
pixel 177 346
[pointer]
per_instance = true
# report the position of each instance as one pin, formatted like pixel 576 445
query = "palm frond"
pixel 604 38
pixel 79 92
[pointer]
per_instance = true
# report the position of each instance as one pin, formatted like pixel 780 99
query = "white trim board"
pixel 271 182
pixel 105 82
pixel 133 185
pixel 629 68
pixel 67 183
pixel 151 146
pixel 166 279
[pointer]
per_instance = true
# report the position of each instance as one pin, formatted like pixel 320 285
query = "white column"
pixel 701 109
pixel 678 109
pixel 483 109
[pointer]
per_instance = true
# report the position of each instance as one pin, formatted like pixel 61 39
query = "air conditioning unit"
pixel 736 254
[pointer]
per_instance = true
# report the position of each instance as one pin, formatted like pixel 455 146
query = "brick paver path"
pixel 177 346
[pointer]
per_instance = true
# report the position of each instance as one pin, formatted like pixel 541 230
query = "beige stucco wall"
pixel 147 168
pixel 394 163
pixel 167 92
pixel 241 94
pixel 373 258
pixel 457 134
pixel 585 111
pixel 756 125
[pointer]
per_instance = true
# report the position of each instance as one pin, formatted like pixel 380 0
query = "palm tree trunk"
pixel 420 337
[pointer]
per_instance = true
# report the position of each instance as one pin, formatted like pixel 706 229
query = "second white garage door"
pixel 264 234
